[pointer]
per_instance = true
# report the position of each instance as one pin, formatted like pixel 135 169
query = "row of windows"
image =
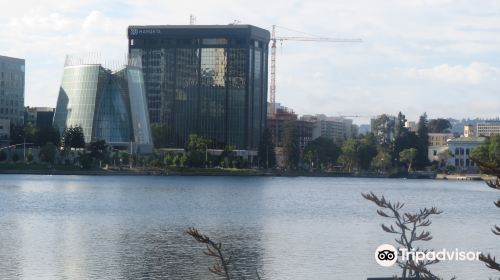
pixel 460 151
pixel 462 163
pixel 10 111
pixel 196 42
pixel 202 91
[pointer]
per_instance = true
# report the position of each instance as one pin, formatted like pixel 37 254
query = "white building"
pixel 336 128
pixel 460 149
pixel 488 128
pixel 438 144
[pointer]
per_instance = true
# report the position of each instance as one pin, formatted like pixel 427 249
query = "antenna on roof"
pixel 192 19
pixel 235 22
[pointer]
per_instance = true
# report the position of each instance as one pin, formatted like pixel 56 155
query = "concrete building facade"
pixel 488 128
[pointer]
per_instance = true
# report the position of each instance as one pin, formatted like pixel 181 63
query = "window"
pixel 434 153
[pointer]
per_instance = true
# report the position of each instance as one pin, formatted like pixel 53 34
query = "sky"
pixel 441 57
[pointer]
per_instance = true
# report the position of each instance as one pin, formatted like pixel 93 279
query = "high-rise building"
pixel 12 89
pixel 209 80
pixel 108 105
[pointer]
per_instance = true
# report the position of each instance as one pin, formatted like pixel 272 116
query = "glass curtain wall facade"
pixel 12 89
pixel 108 105
pixel 205 80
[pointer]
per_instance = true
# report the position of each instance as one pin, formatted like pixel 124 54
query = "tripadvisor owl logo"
pixel 386 255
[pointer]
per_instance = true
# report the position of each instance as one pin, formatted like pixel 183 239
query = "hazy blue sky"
pixel 437 56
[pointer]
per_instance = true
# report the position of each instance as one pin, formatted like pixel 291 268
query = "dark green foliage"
pixel 439 126
pixel 358 153
pixel 20 133
pixel 383 129
pixel 45 135
pixel 291 147
pixel 160 135
pixel 267 154
pixel 3 155
pixel 73 138
pixel 488 152
pixel 322 152
pixel 367 151
pixel 99 150
pixel 85 160
pixel 48 153
pixel 421 159
pixel 408 156
pixel 197 151
pixel 29 157
pixel 15 157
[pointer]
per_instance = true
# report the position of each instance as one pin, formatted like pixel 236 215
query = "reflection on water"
pixel 84 227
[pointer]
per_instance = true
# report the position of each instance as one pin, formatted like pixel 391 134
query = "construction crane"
pixel 310 38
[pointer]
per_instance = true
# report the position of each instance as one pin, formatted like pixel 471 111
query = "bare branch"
pixel 490 262
pixel 220 267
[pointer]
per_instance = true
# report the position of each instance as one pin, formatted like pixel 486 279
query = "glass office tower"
pixel 108 105
pixel 12 89
pixel 205 80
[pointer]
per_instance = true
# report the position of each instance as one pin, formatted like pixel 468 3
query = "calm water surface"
pixel 84 227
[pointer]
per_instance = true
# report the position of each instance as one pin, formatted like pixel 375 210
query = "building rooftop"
pixel 202 31
pixel 466 139
pixel 13 59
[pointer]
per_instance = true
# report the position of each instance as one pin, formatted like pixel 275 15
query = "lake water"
pixel 85 227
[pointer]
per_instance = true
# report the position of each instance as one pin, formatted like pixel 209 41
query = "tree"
pixel 367 150
pixel 3 155
pixel 383 129
pixel 321 151
pixel 99 150
pixel 349 156
pixel 29 157
pixel 406 226
pixel 160 135
pixel 267 154
pixel 489 163
pixel 489 151
pixel 422 159
pixel 408 156
pixel 382 161
pixel 48 153
pixel 439 126
pixel 15 157
pixel 45 135
pixel 73 137
pixel 197 150
pixel 291 147
pixel 403 139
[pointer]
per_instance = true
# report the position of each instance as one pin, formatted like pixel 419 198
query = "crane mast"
pixel 274 39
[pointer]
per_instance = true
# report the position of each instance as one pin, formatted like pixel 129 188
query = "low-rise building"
pixel 438 147
pixel 469 130
pixel 460 149
pixel 336 128
pixel 39 116
pixel 488 128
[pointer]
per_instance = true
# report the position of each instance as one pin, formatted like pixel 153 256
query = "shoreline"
pixel 242 173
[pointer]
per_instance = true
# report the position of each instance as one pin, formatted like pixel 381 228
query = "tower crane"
pixel 310 38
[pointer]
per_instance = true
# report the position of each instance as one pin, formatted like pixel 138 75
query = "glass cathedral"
pixel 205 80
pixel 108 105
